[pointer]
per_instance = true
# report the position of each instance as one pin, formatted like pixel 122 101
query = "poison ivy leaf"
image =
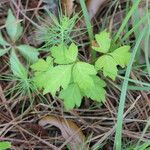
pixel 2 41
pixel 4 51
pixel 122 55
pixel 29 52
pixel 59 76
pixel 104 41
pixel 16 67
pixel 42 65
pixel 97 91
pixel 108 65
pixel 5 145
pixel 82 74
pixel 13 27
pixel 63 55
pixel 72 96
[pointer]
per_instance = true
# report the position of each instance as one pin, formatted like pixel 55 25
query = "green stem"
pixel 88 26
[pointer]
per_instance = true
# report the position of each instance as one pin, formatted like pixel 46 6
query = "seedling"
pixel 55 30
pixel 65 73
pixel 62 72
pixel 20 76
pixel 14 31
pixel 109 61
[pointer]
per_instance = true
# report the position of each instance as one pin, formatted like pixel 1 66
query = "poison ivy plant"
pixel 14 31
pixel 109 61
pixel 73 79
pixel 5 145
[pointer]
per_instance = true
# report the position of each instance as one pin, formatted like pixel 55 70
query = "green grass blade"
pixel 87 19
pixel 125 21
pixel 138 88
pixel 136 26
pixel 88 25
pixel 118 135
pixel 146 144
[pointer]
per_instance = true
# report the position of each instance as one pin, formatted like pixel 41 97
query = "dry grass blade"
pixel 93 6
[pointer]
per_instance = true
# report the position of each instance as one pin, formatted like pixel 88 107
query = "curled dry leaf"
pixel 67 6
pixel 93 6
pixel 69 130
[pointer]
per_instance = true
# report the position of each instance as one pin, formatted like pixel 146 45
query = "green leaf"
pixel 72 96
pixel 5 145
pixel 2 41
pixel 4 51
pixel 122 55
pixel 104 42
pixel 97 91
pixel 13 27
pixel 42 70
pixel 30 53
pixel 42 65
pixel 16 67
pixel 59 76
pixel 63 55
pixel 40 79
pixel 82 74
pixel 108 65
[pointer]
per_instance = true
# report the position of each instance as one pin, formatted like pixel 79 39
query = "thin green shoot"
pixel 88 26
pixel 125 21
pixel 118 135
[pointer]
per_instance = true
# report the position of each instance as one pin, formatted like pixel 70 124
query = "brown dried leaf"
pixel 67 6
pixel 93 6
pixel 69 130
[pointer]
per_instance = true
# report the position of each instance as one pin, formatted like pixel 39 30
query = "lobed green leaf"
pixel 72 96
pixel 59 76
pixel 82 74
pixel 104 42
pixel 108 65
pixel 122 55
pixel 63 55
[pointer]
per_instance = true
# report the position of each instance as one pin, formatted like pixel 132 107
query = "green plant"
pixel 63 72
pixel 5 145
pixel 14 30
pixel 23 85
pixel 132 146
pixel 55 30
pixel 118 135
pixel 109 61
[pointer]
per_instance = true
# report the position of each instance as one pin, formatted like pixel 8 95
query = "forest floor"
pixel 30 120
